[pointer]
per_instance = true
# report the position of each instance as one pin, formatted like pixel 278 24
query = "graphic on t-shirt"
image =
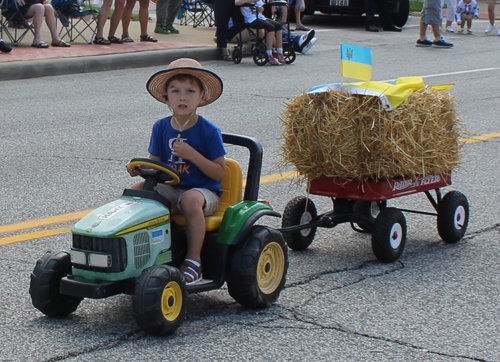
pixel 177 162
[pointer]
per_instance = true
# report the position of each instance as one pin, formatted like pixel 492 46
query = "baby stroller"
pixel 258 49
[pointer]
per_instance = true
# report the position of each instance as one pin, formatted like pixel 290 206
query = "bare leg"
pixel 50 20
pixel 435 31
pixel 192 203
pixel 36 11
pixel 102 17
pixel 127 14
pixel 117 17
pixel 423 30
pixel 491 11
pixel 144 16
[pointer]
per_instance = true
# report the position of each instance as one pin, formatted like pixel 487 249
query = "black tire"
pixel 237 55
pixel 300 210
pixel 260 57
pixel 453 217
pixel 370 209
pixel 389 235
pixel 159 299
pixel 289 55
pixel 257 268
pixel 401 17
pixel 45 285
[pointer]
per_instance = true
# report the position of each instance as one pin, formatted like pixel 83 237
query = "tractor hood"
pixel 121 216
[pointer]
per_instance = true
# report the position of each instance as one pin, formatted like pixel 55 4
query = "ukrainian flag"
pixel 355 62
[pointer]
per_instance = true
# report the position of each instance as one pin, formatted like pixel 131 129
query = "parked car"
pixel 398 8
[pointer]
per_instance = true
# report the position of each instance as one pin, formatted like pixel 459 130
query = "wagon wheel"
pixel 299 211
pixel 389 235
pixel 453 217
pixel 369 209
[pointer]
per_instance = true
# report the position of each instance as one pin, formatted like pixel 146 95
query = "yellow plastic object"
pixel 174 176
pixel 231 187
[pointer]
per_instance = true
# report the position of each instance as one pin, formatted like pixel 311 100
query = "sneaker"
pixel 4 48
pixel 461 31
pixel 172 30
pixel 308 46
pixel 498 32
pixel 490 28
pixel 161 30
pixel 423 43
pixel 449 30
pixel 441 43
pixel 304 39
pixel 470 32
pixel 272 60
pixel 280 58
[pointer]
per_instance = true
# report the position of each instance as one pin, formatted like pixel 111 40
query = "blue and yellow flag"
pixel 355 62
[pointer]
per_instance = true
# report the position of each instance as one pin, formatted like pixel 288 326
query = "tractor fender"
pixel 240 218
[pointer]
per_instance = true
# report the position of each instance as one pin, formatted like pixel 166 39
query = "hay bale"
pixel 352 137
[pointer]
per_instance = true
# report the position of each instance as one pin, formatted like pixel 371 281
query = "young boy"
pixel 466 10
pixel 431 15
pixel 193 146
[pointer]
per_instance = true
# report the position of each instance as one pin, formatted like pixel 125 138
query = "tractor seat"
pixel 231 187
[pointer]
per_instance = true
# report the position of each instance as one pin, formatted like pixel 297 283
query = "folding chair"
pixel 196 12
pixel 13 23
pixel 78 19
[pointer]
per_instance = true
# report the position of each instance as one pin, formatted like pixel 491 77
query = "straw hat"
pixel 212 84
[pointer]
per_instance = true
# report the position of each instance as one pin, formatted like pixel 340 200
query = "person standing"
pixel 431 15
pixel 166 10
pixel 115 20
pixel 491 17
pixel 143 21
pixel 223 10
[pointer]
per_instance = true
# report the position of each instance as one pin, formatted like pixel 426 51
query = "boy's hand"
pixel 132 171
pixel 184 150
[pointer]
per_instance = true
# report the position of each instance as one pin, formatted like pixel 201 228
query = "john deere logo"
pixel 350 53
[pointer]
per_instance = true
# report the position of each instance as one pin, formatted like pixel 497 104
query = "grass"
pixel 416 6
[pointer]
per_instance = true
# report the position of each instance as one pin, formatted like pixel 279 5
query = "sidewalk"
pixel 27 62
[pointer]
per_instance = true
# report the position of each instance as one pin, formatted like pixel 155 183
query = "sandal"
pixel 148 38
pixel 61 44
pixel 303 28
pixel 127 39
pixel 191 271
pixel 40 44
pixel 114 40
pixel 101 41
pixel 227 58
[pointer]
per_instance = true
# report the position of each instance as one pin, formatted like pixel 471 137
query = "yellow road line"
pixel 42 222
pixel 34 235
pixel 484 137
pixel 80 214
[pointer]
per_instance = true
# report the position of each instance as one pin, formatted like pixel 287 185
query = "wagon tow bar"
pixel 327 221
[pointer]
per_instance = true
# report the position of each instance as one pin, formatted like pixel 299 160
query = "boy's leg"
pixel 127 14
pixel 192 203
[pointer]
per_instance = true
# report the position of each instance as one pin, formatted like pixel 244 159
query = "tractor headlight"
pixel 78 257
pixel 100 260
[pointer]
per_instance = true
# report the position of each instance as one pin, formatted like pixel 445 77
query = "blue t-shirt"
pixel 205 137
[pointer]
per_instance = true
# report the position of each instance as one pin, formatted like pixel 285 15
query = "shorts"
pixel 174 195
pixel 268 24
pixel 431 12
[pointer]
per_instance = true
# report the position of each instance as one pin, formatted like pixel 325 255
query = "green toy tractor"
pixel 134 245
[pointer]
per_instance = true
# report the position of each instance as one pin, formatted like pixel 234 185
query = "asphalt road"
pixel 65 141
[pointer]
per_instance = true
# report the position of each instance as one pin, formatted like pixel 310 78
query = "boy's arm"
pixel 215 169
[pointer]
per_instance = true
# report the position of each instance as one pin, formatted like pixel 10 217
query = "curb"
pixel 88 64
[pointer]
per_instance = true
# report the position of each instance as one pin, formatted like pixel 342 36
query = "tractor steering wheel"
pixel 160 171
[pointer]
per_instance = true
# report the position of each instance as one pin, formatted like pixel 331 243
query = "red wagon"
pixel 363 204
